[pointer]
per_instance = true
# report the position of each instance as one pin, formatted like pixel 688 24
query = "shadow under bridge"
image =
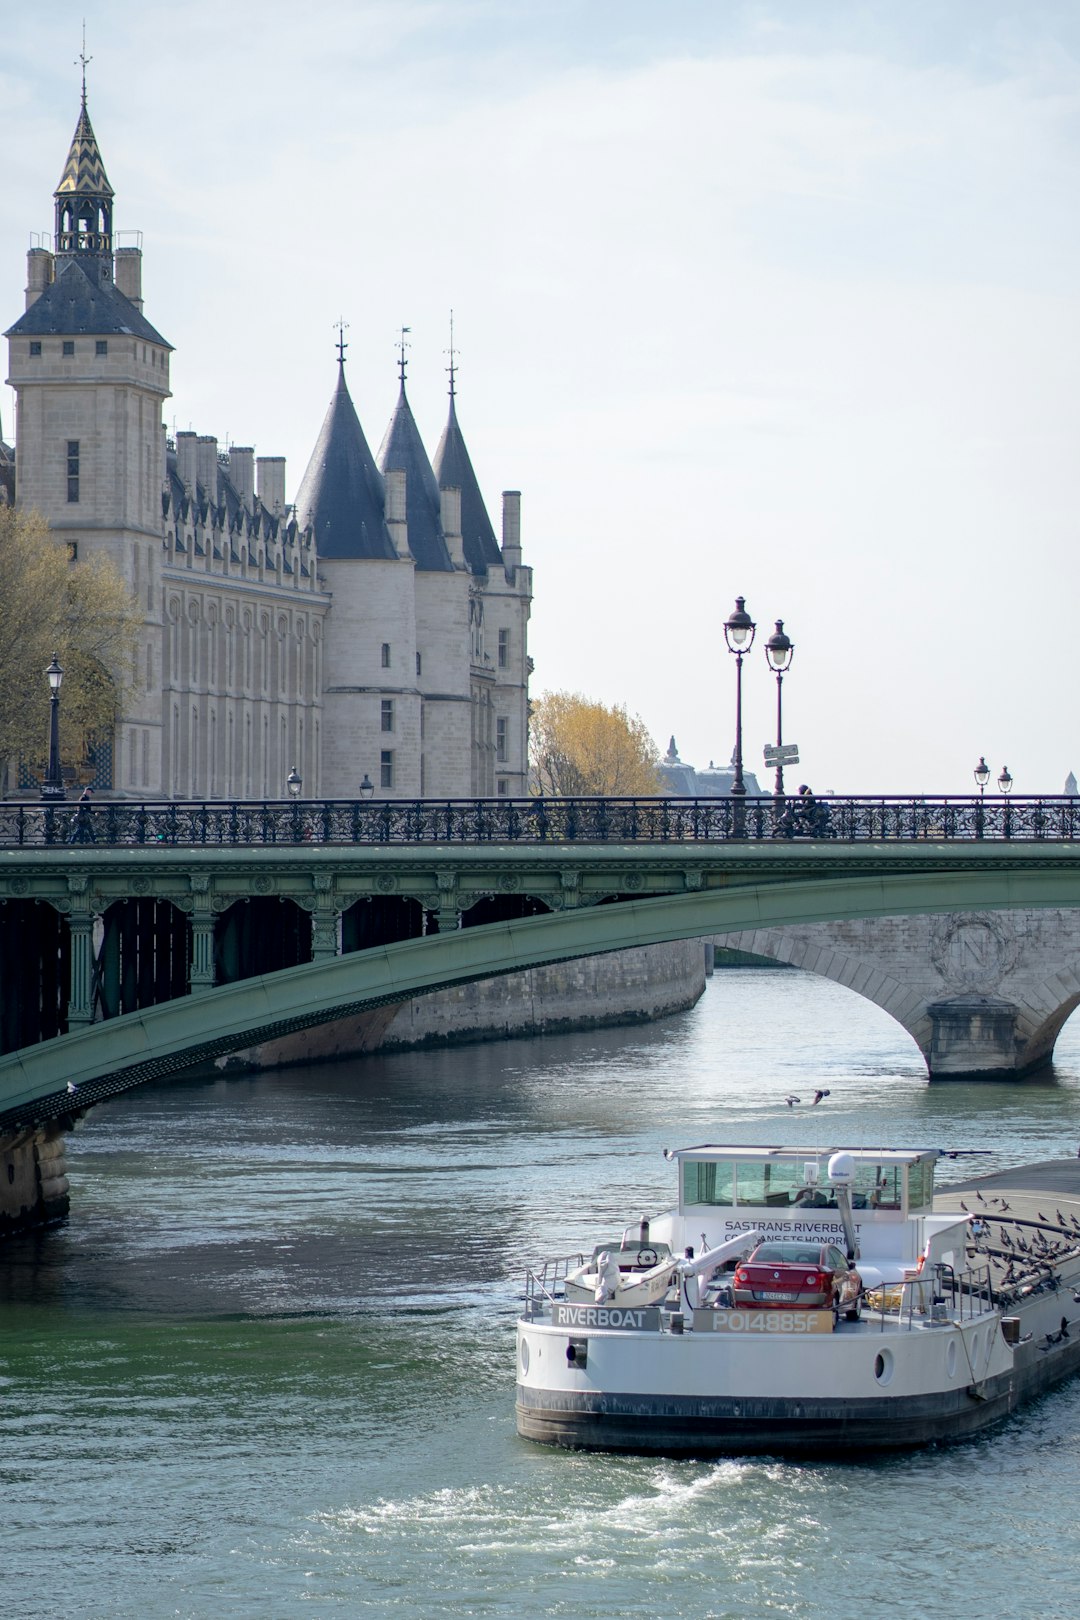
pixel 61 1076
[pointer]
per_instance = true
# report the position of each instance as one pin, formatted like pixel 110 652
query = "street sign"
pixel 786 754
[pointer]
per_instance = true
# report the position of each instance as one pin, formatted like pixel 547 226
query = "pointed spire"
pixel 84 196
pixel 454 470
pixel 403 448
pixel 342 495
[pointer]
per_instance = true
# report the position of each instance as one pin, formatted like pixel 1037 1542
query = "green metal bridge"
pixel 138 940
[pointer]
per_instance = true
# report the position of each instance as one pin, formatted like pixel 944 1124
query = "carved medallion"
pixel 263 885
pixel 385 883
pixel 140 885
pixel 973 951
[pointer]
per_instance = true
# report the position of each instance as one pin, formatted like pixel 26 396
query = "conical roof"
pixel 84 172
pixel 402 447
pixel 454 470
pixel 342 495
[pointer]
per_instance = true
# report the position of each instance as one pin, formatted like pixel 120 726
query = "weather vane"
pixel 341 326
pixel 452 352
pixel 85 60
pixel 402 346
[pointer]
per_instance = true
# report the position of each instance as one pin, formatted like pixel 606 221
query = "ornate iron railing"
pixel 122 823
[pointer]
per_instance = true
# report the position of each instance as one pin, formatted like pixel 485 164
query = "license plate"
pixel 776 1296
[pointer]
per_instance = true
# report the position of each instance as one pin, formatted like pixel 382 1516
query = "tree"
pixel 578 746
pixel 81 611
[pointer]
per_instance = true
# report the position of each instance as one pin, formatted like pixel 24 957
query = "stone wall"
pixel 622 987
pixel 33 1181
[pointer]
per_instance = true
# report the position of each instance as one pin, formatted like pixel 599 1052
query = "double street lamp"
pixel 52 787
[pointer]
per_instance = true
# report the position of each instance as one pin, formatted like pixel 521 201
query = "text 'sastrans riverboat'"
pixel 807 1301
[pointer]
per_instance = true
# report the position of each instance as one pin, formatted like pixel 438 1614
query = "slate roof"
pixel 403 447
pixel 454 470
pixel 77 303
pixel 342 495
pixel 84 172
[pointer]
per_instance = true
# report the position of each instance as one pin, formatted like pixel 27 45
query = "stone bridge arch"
pixel 982 993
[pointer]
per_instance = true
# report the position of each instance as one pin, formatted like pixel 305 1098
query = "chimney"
pixel 186 460
pixel 39 273
pixel 450 506
pixel 511 528
pixel 271 483
pixel 242 471
pixel 129 274
pixel 396 509
pixel 207 465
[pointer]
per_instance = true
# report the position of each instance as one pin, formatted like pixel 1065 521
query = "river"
pixel 267 1368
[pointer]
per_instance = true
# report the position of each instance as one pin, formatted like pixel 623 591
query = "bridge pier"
pixel 981 1038
pixel 33 1180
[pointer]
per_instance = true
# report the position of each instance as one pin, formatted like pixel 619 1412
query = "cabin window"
pixel 920 1185
pixel 705 1182
pixel 773 1183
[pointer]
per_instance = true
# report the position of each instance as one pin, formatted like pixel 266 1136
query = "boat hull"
pixel 710 1426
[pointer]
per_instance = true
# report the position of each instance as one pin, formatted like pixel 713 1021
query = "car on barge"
pixel 650 1345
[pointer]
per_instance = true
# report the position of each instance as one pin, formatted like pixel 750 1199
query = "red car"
pixel 799 1276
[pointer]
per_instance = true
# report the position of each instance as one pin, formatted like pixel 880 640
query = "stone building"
pixel 375 628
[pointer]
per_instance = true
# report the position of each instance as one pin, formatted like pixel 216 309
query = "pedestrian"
pixel 83 830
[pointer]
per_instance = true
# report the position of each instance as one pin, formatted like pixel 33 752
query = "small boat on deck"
pixel 892 1318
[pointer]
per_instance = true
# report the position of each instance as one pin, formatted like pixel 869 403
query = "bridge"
pixel 137 939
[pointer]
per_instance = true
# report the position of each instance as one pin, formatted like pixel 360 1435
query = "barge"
pixel 959 1307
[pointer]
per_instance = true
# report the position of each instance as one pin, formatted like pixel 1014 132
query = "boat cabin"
pixel 791 1181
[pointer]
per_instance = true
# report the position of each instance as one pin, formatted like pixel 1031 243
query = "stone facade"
pixel 275 636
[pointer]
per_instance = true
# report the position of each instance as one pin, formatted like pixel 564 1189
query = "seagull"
pixel 72 1088
pixel 964 1207
pixel 791 1101
pixel 818 1096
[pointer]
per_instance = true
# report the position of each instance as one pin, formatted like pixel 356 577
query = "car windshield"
pixel 786 1254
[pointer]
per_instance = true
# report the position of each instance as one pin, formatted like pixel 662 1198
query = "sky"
pixel 777 300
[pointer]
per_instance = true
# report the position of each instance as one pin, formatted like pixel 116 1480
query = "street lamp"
pixel 1005 781
pixel 982 775
pixel 367 787
pixel 779 650
pixel 739 635
pixel 294 782
pixel 53 785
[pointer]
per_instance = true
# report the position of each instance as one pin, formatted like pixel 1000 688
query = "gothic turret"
pixel 84 198
pixel 403 449
pixel 454 470
pixel 342 495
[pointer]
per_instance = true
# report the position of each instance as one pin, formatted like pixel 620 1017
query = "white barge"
pixel 965 1309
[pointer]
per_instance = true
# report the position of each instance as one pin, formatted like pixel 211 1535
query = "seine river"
pixel 267 1370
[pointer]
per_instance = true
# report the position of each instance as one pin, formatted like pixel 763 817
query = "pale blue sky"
pixel 777 300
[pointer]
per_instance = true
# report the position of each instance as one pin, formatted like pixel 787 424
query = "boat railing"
pixel 939 1293
pixel 548 1284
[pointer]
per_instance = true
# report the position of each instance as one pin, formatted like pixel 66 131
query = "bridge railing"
pixel 120 823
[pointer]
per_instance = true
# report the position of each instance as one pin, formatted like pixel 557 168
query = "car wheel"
pixel 854 1312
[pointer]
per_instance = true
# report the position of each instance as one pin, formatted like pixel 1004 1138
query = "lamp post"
pixel 1005 781
pixel 294 782
pixel 367 788
pixel 982 775
pixel 739 635
pixel 53 786
pixel 779 650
